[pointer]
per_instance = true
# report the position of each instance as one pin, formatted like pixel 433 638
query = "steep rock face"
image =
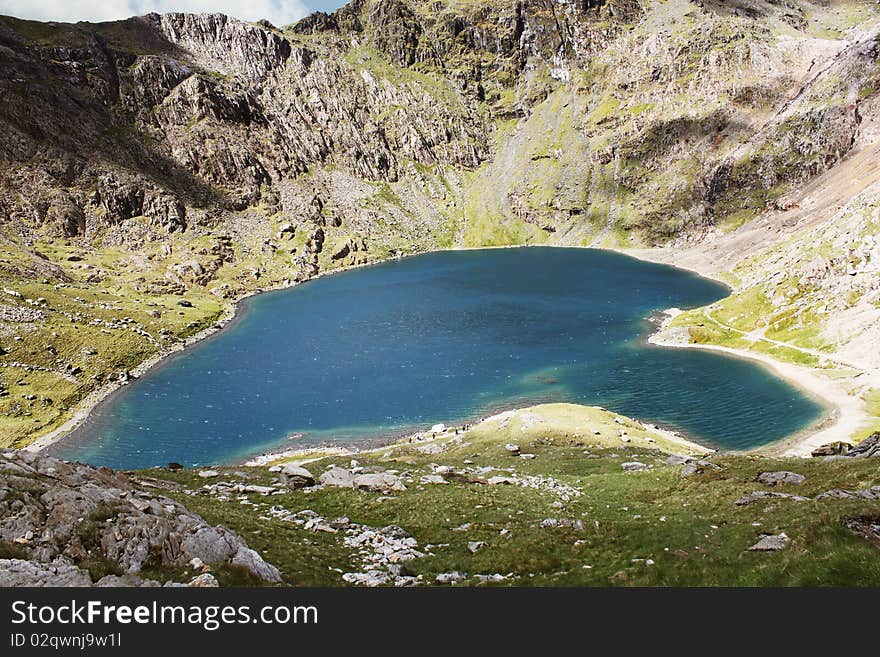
pixel 211 112
pixel 73 518
pixel 810 132
pixel 485 47
pixel 221 110
pixel 121 200
pixel 218 43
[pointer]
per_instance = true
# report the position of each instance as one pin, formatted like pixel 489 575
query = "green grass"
pixel 738 219
pixel 787 354
pixel 704 331
pixel 10 550
pixel 872 408
pixel 689 527
pixel 605 110
pixel 47 34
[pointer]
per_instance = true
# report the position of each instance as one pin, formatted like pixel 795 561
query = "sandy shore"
pixel 845 415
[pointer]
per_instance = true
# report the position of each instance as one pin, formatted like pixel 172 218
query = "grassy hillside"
pixel 571 516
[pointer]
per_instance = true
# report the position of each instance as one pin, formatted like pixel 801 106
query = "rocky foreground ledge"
pixel 66 524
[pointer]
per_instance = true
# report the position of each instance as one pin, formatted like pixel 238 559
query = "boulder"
pixel 781 477
pixel 210 545
pixel 494 481
pixel 339 477
pixel 770 543
pixel 634 466
pixel 759 495
pixel 454 577
pixel 296 477
pixel 204 581
pixel 250 560
pixel 379 482
pixel 572 523
pixel 832 449
pixel 692 465
pixel 260 490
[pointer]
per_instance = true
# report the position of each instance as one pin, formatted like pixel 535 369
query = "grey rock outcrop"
pixel 691 465
pixel 757 496
pixel 19 572
pixel 838 448
pixel 381 482
pixel 250 560
pixel 62 515
pixel 771 543
pixel 339 477
pixel 781 477
pixel 454 577
pixel 218 43
pixel 872 493
pixel 297 477
pixel 868 448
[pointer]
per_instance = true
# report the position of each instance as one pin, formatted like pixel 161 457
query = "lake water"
pixel 442 337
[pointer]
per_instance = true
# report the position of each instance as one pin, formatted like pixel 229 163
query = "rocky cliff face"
pixel 203 156
pixel 64 524
pixel 664 110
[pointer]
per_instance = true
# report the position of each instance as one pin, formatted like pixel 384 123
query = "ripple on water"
pixel 437 338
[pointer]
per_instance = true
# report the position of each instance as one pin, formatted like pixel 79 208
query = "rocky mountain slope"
pixel 64 524
pixel 158 168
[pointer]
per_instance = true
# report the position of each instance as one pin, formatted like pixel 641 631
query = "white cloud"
pixel 280 12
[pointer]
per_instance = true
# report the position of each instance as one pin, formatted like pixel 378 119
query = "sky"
pixel 279 12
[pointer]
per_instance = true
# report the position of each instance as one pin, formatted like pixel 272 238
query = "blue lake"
pixel 449 336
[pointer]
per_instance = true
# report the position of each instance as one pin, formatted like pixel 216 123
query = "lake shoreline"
pixel 162 357
pixel 230 315
pixel 844 413
pixel 305 455
pixel 105 393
